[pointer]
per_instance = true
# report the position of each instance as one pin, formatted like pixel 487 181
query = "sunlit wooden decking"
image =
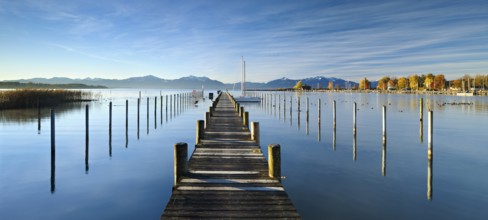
pixel 227 175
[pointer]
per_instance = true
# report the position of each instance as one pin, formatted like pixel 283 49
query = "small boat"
pixel 243 97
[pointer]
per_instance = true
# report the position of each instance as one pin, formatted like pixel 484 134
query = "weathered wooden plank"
pixel 227 175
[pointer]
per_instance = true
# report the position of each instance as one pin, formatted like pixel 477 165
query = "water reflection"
pixel 334 139
pixel 383 159
pixel 421 132
pixel 53 172
pixel 429 178
pixel 24 116
pixel 354 147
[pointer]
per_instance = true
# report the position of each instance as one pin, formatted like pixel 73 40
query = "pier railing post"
pixel 274 161
pixel 241 111
pixel 199 133
pixel 210 110
pixel 180 161
pixel 245 119
pixel 255 132
pixel 207 119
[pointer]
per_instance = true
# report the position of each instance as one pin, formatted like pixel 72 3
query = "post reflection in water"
pixel 421 132
pixel 334 139
pixel 318 132
pixel 147 116
pixel 53 172
pixel 429 178
pixel 354 147
pixel 383 159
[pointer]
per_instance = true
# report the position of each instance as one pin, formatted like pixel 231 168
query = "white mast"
pixel 243 76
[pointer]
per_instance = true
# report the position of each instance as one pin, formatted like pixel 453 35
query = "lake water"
pixel 327 174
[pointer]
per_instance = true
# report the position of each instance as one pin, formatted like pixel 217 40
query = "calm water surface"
pixel 327 174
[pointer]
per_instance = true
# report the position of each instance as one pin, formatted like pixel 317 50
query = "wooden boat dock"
pixel 227 176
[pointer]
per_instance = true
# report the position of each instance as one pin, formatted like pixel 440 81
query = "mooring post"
pixel 298 105
pixel 180 161
pixel 318 111
pixel 138 116
pixel 155 107
pixel 421 107
pixel 308 110
pixel 430 131
pixel 38 115
pixel 274 161
pixel 53 135
pixel 354 118
pixel 384 122
pixel 86 127
pixel 334 114
pixel 161 112
pixel 255 132
pixel 207 119
pixel 110 120
pixel 200 127
pixel 126 114
pixel 245 119
pixel 171 105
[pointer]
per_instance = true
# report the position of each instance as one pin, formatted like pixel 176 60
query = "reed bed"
pixel 34 98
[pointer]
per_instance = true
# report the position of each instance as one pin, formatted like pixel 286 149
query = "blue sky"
pixel 294 39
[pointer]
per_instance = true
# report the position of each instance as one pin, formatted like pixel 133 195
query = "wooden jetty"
pixel 227 175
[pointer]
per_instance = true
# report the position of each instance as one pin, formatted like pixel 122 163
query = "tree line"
pixel 427 82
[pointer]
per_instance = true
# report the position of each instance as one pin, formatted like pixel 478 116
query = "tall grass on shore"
pixel 33 98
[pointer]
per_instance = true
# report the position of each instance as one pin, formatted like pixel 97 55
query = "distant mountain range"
pixel 189 82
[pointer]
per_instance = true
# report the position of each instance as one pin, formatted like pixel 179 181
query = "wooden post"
pixel 171 105
pixel 384 122
pixel 126 114
pixel 255 132
pixel 180 161
pixel 298 105
pixel 155 110
pixel 161 113
pixel 207 119
pixel 307 109
pixel 421 104
pixel 86 137
pixel 38 115
pixel 241 112
pixel 210 110
pixel 334 114
pixel 53 133
pixel 274 161
pixel 319 113
pixel 431 132
pixel 138 116
pixel 200 127
pixel 53 152
pixel 110 119
pixel 354 118
pixel 245 119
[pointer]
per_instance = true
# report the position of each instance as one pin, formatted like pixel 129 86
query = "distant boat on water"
pixel 243 97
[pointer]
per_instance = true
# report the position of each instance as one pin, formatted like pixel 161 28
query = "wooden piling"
pixel 110 120
pixel 126 115
pixel 421 107
pixel 87 138
pixel 200 130
pixel 430 133
pixel 318 110
pixel 307 110
pixel 384 122
pixel 354 118
pixel 53 133
pixel 274 161
pixel 255 132
pixel 334 114
pixel 38 115
pixel 180 161
pixel 138 116
pixel 241 112
pixel 207 119
pixel 155 110
pixel 245 119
